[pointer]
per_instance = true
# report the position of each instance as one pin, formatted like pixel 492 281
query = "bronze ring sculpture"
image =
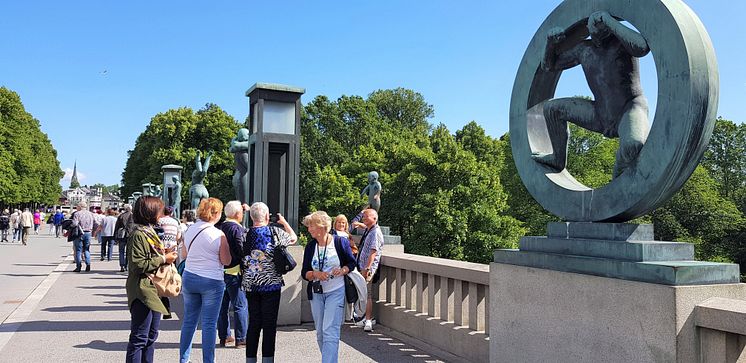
pixel 686 109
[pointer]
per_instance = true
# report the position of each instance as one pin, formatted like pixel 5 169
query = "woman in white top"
pixel 206 251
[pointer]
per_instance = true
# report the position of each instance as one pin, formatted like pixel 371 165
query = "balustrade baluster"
pixel 408 290
pixel 431 295
pixel 419 304
pixel 458 302
pixel 445 296
pixel 399 286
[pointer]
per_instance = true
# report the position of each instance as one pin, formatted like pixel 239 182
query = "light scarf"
pixel 151 237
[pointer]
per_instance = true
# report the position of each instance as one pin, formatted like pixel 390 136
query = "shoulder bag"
pixel 166 280
pixel 182 265
pixel 350 290
pixel 284 261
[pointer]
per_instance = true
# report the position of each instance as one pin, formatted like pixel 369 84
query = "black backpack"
pixel 4 222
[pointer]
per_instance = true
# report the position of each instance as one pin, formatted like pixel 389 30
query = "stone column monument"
pixel 597 289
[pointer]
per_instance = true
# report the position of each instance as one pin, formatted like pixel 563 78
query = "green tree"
pixel 699 214
pixel 29 169
pixel 174 137
pixel 725 157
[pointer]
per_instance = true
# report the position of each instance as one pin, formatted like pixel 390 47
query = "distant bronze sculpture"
pixel 198 191
pixel 373 191
pixel 612 70
pixel 176 196
pixel 240 149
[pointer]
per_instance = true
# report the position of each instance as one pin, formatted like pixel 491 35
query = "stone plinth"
pixel 617 250
pixel 541 315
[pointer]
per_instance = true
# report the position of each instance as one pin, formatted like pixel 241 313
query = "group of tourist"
pixel 19 224
pixel 227 265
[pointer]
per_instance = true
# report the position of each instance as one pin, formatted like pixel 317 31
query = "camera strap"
pixel 321 259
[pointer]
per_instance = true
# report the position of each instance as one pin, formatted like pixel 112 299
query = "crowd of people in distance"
pixel 20 224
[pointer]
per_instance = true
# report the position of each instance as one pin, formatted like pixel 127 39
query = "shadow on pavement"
pixel 75 325
pixel 122 346
pixel 36 264
pixel 111 295
pixel 25 275
pixel 67 309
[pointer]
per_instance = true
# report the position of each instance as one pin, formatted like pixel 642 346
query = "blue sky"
pixel 95 72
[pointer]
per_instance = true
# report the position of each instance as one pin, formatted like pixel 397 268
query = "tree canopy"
pixel 29 169
pixel 441 192
pixel 174 137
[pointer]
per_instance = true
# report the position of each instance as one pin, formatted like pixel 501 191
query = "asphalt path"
pixel 50 313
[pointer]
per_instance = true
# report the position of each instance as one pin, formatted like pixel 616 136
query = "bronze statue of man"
pixel 612 70
pixel 176 196
pixel 198 191
pixel 240 149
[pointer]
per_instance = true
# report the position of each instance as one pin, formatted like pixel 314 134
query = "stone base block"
pixel 539 315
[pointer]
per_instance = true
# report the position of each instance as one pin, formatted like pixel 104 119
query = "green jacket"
pixel 142 259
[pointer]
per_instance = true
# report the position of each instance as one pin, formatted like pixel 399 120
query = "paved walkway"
pixel 49 313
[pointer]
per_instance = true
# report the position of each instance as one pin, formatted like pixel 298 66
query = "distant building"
pixel 94 197
pixel 111 201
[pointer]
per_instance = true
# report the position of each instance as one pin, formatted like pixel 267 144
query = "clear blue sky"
pixel 95 72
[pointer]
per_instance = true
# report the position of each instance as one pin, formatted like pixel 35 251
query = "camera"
pixel 273 221
pixel 316 287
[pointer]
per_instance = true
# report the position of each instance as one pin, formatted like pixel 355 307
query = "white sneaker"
pixel 368 325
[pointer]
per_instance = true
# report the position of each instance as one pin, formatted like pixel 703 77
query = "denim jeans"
pixel 233 296
pixel 83 247
pixel 328 312
pixel 107 245
pixel 57 230
pixel 17 233
pixel 143 333
pixel 122 252
pixel 5 235
pixel 202 299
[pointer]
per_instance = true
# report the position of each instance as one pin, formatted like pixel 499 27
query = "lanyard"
pixel 320 258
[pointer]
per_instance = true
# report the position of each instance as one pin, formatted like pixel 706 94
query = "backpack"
pixel 4 222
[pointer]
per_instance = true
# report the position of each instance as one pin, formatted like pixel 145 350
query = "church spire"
pixel 74 180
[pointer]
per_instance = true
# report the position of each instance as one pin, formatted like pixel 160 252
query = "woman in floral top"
pixel 260 280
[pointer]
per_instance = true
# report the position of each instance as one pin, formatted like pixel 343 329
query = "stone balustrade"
pixel 439 301
pixel 722 330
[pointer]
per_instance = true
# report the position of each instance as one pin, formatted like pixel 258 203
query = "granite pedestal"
pixel 601 292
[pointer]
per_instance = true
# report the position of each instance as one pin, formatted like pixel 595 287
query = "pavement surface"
pixel 50 313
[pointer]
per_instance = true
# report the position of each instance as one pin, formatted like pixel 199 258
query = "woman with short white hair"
pixel 261 281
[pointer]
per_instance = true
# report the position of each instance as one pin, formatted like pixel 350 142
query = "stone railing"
pixel 722 330
pixel 441 302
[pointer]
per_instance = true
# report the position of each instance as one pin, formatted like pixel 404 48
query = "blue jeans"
pixel 233 296
pixel 83 246
pixel 202 299
pixel 328 312
pixel 143 333
pixel 122 252
pixel 17 233
pixel 107 245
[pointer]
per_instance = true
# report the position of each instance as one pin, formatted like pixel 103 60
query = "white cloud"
pixel 69 175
